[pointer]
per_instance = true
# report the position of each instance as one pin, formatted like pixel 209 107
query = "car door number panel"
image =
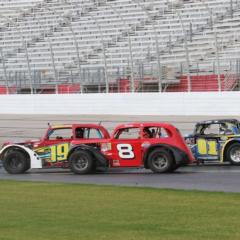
pixel 207 147
pixel 54 153
pixel 125 151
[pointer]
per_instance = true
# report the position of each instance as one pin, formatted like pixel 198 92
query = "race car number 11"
pixel 125 151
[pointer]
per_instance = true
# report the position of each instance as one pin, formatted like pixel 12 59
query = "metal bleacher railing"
pixel 49 46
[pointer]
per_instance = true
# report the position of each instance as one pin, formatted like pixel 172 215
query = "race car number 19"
pixel 125 151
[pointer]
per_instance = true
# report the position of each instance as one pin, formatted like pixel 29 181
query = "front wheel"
pixel 16 162
pixel 81 162
pixel 161 161
pixel 233 154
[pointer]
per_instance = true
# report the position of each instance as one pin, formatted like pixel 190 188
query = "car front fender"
pixel 35 160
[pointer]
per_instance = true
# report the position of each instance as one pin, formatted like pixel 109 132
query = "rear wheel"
pixel 174 167
pixel 81 162
pixel 233 154
pixel 16 162
pixel 161 161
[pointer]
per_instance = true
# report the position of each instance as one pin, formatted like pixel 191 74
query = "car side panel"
pixel 126 153
pixel 53 152
pixel 208 148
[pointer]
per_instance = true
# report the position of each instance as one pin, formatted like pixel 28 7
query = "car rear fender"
pixel 180 157
pixel 226 145
pixel 97 155
pixel 35 160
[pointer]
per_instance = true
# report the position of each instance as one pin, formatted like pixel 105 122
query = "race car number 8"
pixel 125 151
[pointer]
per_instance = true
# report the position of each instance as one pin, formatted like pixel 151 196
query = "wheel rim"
pixel 160 161
pixel 15 163
pixel 235 155
pixel 81 162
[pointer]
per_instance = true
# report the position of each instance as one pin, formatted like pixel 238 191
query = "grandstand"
pixel 67 46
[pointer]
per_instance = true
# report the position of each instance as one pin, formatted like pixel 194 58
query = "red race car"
pixel 52 150
pixel 158 146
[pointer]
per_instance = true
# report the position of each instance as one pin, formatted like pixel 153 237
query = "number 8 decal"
pixel 125 151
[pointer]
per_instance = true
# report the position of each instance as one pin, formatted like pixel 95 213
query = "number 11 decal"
pixel 125 151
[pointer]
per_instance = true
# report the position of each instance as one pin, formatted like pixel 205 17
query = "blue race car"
pixel 216 140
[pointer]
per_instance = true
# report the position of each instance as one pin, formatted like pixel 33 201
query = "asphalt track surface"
pixel 207 178
pixel 214 177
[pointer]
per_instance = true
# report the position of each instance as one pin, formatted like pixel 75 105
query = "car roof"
pixel 144 124
pixel 86 125
pixel 217 121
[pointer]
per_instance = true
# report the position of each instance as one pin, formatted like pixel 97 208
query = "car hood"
pixel 28 143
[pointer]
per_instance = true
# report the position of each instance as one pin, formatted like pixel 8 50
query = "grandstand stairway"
pixel 82 34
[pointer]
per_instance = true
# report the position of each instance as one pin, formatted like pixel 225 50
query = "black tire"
pixel 16 162
pixel 161 161
pixel 81 162
pixel 233 154
pixel 174 167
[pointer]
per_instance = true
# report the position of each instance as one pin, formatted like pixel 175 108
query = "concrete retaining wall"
pixel 184 104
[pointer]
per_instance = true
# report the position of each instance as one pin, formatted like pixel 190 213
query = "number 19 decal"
pixel 54 153
pixel 125 151
pixel 59 152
